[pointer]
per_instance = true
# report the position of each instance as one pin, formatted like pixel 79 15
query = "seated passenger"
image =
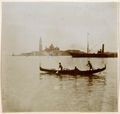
pixel 76 68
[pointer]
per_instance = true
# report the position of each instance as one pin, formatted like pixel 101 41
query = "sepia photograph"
pixel 59 56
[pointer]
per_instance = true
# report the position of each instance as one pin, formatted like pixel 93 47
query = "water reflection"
pixel 101 79
pixel 90 80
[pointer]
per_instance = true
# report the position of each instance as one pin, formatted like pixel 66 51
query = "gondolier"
pixel 60 66
pixel 90 65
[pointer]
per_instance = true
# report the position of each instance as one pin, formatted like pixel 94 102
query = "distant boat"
pixel 95 55
pixel 73 71
pixel 99 54
pixel 13 54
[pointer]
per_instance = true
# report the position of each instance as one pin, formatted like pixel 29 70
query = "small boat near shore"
pixel 73 71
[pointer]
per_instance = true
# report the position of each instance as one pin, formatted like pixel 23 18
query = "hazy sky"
pixel 64 24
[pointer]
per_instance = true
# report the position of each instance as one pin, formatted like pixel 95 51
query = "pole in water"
pixel 87 43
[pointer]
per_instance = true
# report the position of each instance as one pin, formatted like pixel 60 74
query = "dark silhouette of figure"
pixel 90 65
pixel 76 68
pixel 60 66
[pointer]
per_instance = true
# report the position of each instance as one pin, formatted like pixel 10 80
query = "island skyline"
pixel 52 50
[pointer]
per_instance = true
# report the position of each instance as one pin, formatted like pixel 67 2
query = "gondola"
pixel 73 71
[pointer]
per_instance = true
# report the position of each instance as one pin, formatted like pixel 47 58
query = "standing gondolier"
pixel 60 66
pixel 90 65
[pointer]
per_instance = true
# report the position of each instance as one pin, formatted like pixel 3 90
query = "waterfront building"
pixel 52 48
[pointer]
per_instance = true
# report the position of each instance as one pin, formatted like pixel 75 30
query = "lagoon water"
pixel 26 89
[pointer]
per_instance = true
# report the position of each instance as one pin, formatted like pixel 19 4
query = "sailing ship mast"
pixel 87 43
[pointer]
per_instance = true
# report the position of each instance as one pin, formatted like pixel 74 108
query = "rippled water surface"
pixel 25 88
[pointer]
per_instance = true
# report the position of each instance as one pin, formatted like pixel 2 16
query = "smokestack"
pixel 102 48
pixel 40 44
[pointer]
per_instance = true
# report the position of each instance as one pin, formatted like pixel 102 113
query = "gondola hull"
pixel 73 71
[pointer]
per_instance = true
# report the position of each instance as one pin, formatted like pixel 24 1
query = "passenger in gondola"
pixel 90 65
pixel 76 69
